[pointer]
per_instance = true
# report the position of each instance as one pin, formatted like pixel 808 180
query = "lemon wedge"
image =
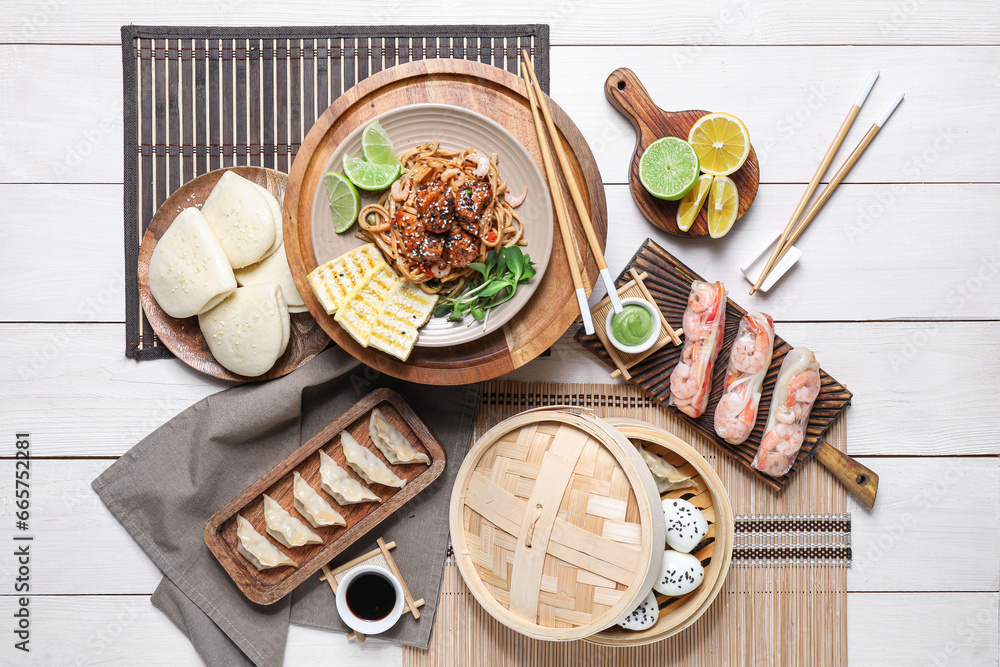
pixel 723 206
pixel 722 143
pixel 688 209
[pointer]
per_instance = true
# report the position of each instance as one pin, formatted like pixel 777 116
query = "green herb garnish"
pixel 495 282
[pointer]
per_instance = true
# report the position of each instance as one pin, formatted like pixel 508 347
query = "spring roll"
pixel 795 390
pixel 704 325
pixel 736 413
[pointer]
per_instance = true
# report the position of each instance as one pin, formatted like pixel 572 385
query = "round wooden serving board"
pixel 628 96
pixel 498 95
pixel 183 336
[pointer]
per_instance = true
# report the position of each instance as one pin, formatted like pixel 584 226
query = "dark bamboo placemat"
pixel 783 603
pixel 202 98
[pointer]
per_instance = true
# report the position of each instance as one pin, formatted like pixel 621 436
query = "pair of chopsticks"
pixel 791 231
pixel 536 100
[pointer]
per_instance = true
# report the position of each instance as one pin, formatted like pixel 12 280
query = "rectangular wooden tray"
pixel 669 282
pixel 270 585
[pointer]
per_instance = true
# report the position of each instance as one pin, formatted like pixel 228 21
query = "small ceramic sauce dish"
pixel 626 332
pixel 370 599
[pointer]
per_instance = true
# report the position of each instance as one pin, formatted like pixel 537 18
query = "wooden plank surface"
pixel 944 276
pixel 63 375
pixel 935 136
pixel 767 22
pixel 910 237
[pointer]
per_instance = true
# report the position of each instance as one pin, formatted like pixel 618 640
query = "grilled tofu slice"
pixel 334 281
pixel 364 305
pixel 408 308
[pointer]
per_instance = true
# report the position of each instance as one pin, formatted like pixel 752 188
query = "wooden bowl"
pixel 626 94
pixel 183 337
pixel 715 552
pixel 556 524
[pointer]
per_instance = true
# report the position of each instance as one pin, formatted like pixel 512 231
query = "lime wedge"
pixel 370 176
pixel 345 203
pixel 377 146
pixel 668 168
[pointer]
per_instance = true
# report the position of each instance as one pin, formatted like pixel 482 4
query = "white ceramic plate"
pixel 455 128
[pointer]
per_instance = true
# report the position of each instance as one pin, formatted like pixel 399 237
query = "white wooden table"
pixel 898 292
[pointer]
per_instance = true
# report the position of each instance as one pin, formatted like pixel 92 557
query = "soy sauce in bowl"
pixel 371 597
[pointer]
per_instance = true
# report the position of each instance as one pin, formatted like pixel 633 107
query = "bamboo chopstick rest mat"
pixel 784 601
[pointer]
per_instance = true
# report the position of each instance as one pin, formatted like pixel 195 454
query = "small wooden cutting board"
pixel 628 96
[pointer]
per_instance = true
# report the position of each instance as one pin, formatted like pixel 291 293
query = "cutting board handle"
pixel 860 481
pixel 627 94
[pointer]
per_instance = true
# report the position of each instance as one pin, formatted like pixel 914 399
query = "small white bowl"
pixel 653 337
pixel 362 625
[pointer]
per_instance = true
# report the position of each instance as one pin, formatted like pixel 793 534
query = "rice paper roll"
pixel 704 326
pixel 795 391
pixel 749 359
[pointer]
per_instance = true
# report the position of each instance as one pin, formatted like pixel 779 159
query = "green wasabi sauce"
pixel 633 326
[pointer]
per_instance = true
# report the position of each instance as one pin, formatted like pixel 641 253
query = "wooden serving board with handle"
pixel 628 96
pixel 669 282
pixel 499 95
pixel 270 585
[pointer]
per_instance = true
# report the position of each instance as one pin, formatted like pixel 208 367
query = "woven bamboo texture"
pixel 553 523
pixel 783 603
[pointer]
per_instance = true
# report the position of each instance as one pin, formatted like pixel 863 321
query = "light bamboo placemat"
pixel 784 601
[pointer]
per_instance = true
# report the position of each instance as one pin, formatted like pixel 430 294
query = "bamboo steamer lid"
pixel 556 524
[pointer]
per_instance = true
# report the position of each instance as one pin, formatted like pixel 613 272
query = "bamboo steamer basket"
pixel 556 524
pixel 715 552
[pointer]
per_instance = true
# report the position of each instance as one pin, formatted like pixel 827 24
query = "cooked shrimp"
pixel 778 449
pixel 803 389
pixel 752 348
pixel 736 414
pixel 683 383
pixel 703 297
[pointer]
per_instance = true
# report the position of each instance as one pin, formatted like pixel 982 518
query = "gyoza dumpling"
pixel 256 549
pixel 284 527
pixel 189 272
pixel 242 220
pixel 311 505
pixel 667 476
pixel 366 464
pixel 392 443
pixel 345 489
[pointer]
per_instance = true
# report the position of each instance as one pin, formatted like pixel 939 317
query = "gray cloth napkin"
pixel 165 488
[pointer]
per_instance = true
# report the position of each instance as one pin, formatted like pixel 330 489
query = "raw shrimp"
pixel 795 391
pixel 704 324
pixel 736 413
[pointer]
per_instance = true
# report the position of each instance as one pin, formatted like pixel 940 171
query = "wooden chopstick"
pixel 824 164
pixel 562 215
pixel 574 190
pixel 839 176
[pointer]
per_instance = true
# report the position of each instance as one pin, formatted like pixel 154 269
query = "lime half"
pixel 370 175
pixel 377 146
pixel 668 168
pixel 345 202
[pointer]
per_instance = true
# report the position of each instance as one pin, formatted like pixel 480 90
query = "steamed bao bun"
pixel 189 272
pixel 249 330
pixel 243 219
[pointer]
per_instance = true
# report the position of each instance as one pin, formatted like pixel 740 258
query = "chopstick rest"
pixel 751 269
